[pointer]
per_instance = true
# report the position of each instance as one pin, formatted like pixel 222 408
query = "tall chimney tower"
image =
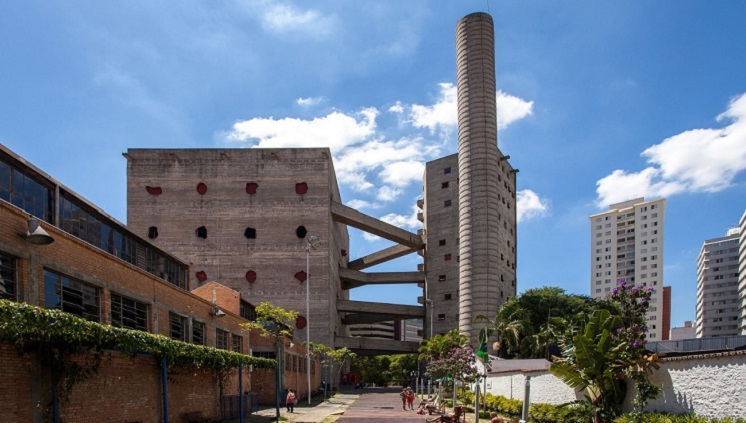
pixel 478 164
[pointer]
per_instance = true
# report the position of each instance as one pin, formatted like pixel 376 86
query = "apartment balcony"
pixel 421 217
pixel 420 203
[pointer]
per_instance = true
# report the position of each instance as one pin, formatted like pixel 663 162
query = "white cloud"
pixel 284 18
pixel 387 193
pixel 358 204
pixel 529 205
pixel 698 160
pixel 401 174
pixel 335 130
pixel 407 222
pixel 310 101
pixel 511 108
pixel 443 114
pixel 396 108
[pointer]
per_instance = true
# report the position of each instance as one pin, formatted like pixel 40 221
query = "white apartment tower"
pixel 717 287
pixel 627 243
pixel 742 275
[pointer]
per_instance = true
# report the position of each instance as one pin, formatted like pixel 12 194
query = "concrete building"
pixel 717 287
pixel 685 332
pixel 627 243
pixel 742 274
pixel 398 330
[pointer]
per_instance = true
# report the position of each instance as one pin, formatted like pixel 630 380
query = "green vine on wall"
pixel 53 333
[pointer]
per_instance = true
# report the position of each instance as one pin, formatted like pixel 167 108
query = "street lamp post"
pixel 311 242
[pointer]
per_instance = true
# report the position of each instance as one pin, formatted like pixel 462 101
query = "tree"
pixel 403 366
pixel 527 325
pixel 604 351
pixel 272 321
pixel 440 345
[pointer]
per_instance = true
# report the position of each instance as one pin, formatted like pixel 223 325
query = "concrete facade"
pixel 627 243
pixel 257 207
pixel 717 287
pixel 685 332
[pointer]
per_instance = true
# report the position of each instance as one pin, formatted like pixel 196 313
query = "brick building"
pixel 98 269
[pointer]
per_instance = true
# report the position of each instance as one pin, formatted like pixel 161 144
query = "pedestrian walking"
pixel 410 398
pixel 290 401
pixel 403 396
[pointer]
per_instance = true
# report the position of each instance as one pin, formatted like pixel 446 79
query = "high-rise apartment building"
pixel 717 287
pixel 742 275
pixel 627 243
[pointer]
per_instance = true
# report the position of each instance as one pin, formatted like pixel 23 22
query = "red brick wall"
pixel 15 386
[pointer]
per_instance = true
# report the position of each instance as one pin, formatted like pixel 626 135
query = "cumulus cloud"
pixel 698 160
pixel 409 222
pixel 335 130
pixel 359 204
pixel 529 205
pixel 402 173
pixel 443 114
pixel 281 18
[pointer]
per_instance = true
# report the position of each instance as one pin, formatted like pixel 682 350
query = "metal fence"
pixel 697 344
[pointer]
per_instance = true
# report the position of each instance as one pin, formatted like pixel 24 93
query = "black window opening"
pixel 301 232
pixel 250 233
pixel 152 232
pixel 441 317
pixel 71 296
pixel 236 343
pixel 221 339
pixel 248 311
pixel 128 313
pixel 447 203
pixel 201 232
pixel 448 297
pixel 7 278
pixel 198 333
pixel 264 354
pixel 23 191
pixel 446 170
pixel 441 278
pixel 177 327
pixel 444 185
pixel 442 242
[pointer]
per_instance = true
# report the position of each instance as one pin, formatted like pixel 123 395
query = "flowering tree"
pixel 606 350
pixel 459 363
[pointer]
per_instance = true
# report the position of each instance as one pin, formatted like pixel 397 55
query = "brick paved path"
pixel 380 405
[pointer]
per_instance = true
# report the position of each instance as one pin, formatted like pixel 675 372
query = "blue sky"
pixel 598 102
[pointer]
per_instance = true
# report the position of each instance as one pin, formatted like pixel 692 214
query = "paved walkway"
pixel 373 405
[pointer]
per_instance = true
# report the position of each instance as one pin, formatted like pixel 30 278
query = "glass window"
pixel 177 326
pixel 221 339
pixel 128 313
pixel 7 278
pixel 236 343
pixel 198 333
pixel 25 192
pixel 248 311
pixel 264 354
pixel 71 296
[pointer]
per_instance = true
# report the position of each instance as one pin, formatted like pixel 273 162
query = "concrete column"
pixel 478 178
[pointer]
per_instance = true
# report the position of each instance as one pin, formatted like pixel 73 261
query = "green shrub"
pixel 674 418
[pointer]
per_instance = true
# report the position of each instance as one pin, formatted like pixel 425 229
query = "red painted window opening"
pixel 300 322
pixel 251 276
pixel 154 190
pixel 201 188
pixel 447 257
pixel 251 188
pixel 343 252
pixel 201 276
pixel 301 276
pixel 301 188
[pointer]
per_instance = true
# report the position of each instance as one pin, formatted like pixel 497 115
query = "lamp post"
pixel 311 242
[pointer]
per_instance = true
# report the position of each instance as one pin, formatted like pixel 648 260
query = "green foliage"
pixel 496 403
pixel 528 324
pixel 272 321
pixel 374 369
pixel 604 351
pixel 565 413
pixel 76 345
pixel 440 345
pixel 402 366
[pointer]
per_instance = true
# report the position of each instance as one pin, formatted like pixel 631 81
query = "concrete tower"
pixel 478 158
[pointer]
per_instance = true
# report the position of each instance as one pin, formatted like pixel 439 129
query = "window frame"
pixel 145 326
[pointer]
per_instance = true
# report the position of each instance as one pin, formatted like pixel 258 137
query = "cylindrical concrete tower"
pixel 478 177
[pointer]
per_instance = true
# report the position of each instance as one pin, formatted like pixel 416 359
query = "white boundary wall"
pixel 709 385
